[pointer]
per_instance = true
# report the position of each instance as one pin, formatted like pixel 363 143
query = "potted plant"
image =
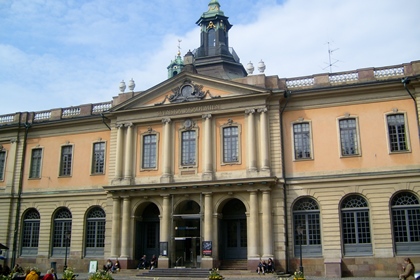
pixel 101 275
pixel 69 274
pixel 299 275
pixel 215 275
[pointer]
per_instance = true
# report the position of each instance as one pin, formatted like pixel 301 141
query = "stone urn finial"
pixel 122 86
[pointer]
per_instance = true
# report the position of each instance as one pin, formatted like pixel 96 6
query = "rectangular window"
pixel 348 137
pixel 2 164
pixel 98 158
pixel 66 160
pixel 188 148
pixel 230 144
pixel 302 141
pixel 397 133
pixel 35 171
pixel 149 151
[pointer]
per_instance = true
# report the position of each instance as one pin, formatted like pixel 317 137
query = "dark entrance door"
pixel 147 233
pixel 234 231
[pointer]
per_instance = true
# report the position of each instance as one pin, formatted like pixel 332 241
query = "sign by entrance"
pixel 163 248
pixel 207 248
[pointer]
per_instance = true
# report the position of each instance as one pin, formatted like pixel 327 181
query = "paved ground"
pixel 248 276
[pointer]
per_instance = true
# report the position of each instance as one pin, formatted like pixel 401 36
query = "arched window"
pixel 95 232
pixel 306 216
pixel 30 233
pixel 355 226
pixel 406 223
pixel 61 232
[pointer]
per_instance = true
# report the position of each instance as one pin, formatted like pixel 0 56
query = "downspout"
pixel 287 94
pixel 20 186
pixel 103 120
pixel 405 82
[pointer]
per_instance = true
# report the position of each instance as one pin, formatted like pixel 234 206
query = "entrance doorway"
pixel 147 232
pixel 187 235
pixel 233 231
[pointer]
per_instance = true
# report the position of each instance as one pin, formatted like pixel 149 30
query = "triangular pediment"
pixel 187 88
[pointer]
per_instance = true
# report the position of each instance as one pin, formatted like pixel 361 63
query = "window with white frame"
pixel 61 238
pixel 66 160
pixel 149 155
pixel 98 158
pixel 95 232
pixel 302 140
pixel 355 225
pixel 231 144
pixel 2 164
pixel 306 215
pixel 397 133
pixel 188 148
pixel 30 233
pixel 36 158
pixel 406 223
pixel 349 140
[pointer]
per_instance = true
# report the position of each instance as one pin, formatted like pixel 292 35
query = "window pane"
pixel 348 135
pixel 302 140
pixel 355 220
pixel 397 134
pixel 230 144
pixel 66 160
pixel 149 151
pixel 35 171
pixel 188 148
pixel 95 232
pixel 2 165
pixel 98 163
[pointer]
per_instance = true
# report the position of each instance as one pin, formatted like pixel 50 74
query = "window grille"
pixel 30 232
pixel 306 214
pixel 230 144
pixel 302 141
pixel 397 133
pixel 62 231
pixel 355 224
pixel 406 222
pixel 348 137
pixel 2 164
pixel 35 171
pixel 188 147
pixel 66 160
pixel 95 231
pixel 149 151
pixel 98 163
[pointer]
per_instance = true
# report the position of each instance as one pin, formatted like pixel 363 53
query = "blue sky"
pixel 61 53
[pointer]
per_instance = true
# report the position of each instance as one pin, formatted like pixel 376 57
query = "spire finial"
pixel 179 46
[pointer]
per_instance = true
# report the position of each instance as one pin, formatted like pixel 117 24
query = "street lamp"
pixel 299 230
pixel 66 240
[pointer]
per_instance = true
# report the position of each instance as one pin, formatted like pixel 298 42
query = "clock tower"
pixel 214 57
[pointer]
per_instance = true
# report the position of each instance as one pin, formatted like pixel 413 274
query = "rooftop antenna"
pixel 330 59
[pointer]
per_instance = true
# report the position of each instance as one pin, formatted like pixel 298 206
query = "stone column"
pixel 128 163
pixel 207 149
pixel 264 144
pixel 165 230
pixel 208 216
pixel 167 151
pixel 254 229
pixel 267 228
pixel 251 145
pixel 119 152
pixel 126 226
pixel 116 227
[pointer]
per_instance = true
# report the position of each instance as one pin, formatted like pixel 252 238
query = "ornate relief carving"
pixel 187 91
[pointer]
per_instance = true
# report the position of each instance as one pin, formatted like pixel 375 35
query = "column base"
pixel 332 268
pixel 208 176
pixel 163 262
pixel 207 262
pixel 167 178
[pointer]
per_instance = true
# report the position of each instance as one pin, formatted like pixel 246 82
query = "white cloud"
pixel 63 53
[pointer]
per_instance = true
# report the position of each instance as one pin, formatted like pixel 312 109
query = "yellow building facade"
pixel 207 171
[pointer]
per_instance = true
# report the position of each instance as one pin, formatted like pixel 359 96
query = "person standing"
pixel 32 275
pixel 409 269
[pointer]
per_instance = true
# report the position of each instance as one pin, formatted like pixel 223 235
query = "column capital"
pixel 249 111
pixel 262 110
pixel 130 124
pixel 166 120
pixel 119 125
pixel 206 116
